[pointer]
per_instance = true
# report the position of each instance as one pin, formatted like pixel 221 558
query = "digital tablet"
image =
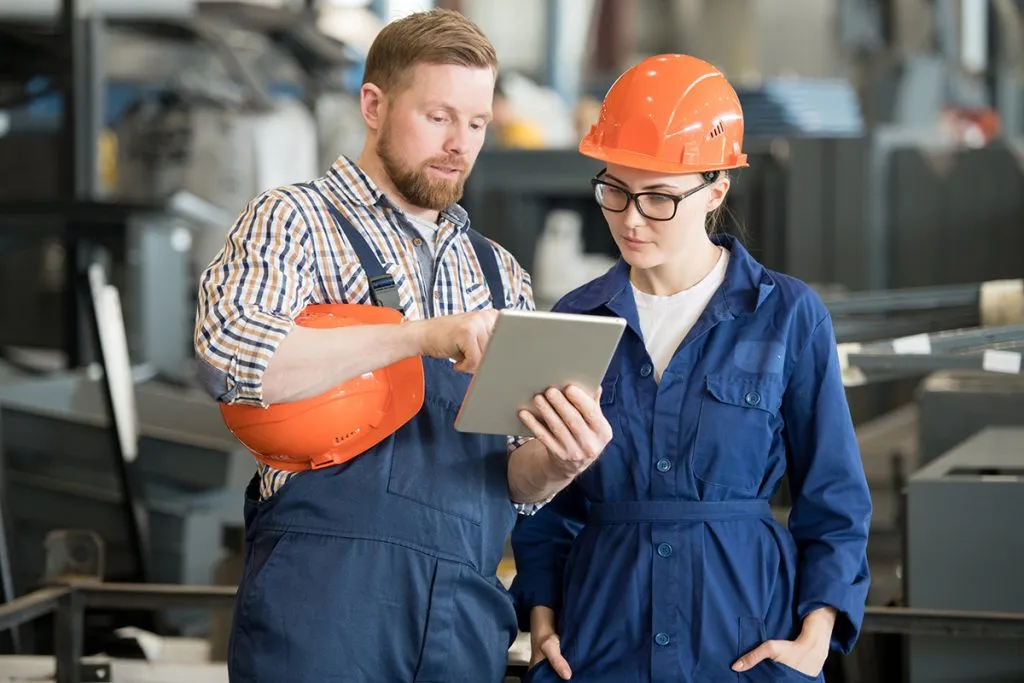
pixel 530 351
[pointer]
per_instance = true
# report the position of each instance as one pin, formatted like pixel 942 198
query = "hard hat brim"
pixel 643 162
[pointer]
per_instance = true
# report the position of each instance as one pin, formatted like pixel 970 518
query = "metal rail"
pixel 901 300
pixel 69 602
pixel 987 349
pixel 887 314
pixel 32 606
pixel 869 328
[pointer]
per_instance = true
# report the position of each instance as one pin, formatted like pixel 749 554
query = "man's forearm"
pixel 310 361
pixel 533 477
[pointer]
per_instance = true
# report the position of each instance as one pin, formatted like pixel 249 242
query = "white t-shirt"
pixel 666 320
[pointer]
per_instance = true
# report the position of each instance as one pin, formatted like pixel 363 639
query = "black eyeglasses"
pixel 656 206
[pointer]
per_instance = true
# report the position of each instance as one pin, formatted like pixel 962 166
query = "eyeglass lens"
pixel 653 205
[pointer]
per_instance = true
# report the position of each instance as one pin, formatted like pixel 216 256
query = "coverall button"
pixel 664 465
pixel 645 370
pixel 664 549
pixel 661 639
pixel 753 398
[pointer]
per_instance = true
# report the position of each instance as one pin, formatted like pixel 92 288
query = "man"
pixel 384 568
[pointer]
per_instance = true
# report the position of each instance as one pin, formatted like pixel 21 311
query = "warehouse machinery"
pixel 145 247
pixel 959 443
pixel 954 405
pixel 167 101
pixel 147 469
pixel 965 548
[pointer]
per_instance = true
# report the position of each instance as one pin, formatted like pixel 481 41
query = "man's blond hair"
pixel 433 37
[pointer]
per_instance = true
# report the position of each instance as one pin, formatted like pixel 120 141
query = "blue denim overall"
pixel 384 568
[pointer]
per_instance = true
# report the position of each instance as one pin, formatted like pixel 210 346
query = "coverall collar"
pixel 747 284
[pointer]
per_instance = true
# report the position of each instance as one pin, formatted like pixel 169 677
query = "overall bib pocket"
pixel 458 472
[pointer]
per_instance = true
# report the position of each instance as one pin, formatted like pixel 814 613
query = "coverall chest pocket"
pixel 738 422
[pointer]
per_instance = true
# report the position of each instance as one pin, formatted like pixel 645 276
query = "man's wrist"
pixel 413 337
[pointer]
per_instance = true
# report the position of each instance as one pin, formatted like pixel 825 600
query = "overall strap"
pixel 383 289
pixel 489 263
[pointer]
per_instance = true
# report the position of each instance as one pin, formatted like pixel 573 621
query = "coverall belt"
pixel 631 512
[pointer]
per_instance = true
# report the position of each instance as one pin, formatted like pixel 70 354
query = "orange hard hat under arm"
pixel 342 422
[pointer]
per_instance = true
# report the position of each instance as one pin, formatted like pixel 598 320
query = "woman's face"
pixel 646 243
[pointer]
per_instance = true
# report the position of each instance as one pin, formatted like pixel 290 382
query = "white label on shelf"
pixel 914 344
pixel 993 360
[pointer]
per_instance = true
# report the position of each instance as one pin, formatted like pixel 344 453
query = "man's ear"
pixel 371 105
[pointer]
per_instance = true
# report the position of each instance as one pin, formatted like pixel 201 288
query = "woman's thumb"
pixel 553 651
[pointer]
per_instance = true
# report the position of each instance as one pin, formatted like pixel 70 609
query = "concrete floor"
pixel 180 660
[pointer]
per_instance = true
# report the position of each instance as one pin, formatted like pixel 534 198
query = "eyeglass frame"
pixel 634 197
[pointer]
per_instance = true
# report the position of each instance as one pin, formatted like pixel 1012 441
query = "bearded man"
pixel 383 567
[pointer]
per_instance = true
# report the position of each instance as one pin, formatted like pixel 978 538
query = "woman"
pixel 663 562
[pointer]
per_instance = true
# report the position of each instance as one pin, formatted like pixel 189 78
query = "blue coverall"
pixel 663 561
pixel 383 569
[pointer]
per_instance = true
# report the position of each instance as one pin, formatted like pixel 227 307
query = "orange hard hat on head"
pixel 669 114
pixel 342 422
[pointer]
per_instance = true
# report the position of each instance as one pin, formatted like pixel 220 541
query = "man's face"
pixel 432 131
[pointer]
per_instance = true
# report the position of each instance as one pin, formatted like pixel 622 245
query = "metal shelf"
pixel 888 314
pixel 997 349
pixel 900 300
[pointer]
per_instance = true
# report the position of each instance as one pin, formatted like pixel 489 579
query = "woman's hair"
pixel 432 37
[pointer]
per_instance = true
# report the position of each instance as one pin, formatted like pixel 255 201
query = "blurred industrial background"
pixel 886 141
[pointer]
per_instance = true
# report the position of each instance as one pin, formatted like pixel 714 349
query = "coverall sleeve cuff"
pixel 542 590
pixel 849 616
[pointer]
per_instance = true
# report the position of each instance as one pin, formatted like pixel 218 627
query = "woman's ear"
pixel 716 193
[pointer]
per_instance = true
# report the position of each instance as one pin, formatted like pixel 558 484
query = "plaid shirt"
pixel 284 253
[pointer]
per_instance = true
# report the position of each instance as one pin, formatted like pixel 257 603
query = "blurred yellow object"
pixel 106 161
pixel 521 134
pixel 506 571
pixel 588 110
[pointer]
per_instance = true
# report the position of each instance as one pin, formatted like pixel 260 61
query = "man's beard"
pixel 416 185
